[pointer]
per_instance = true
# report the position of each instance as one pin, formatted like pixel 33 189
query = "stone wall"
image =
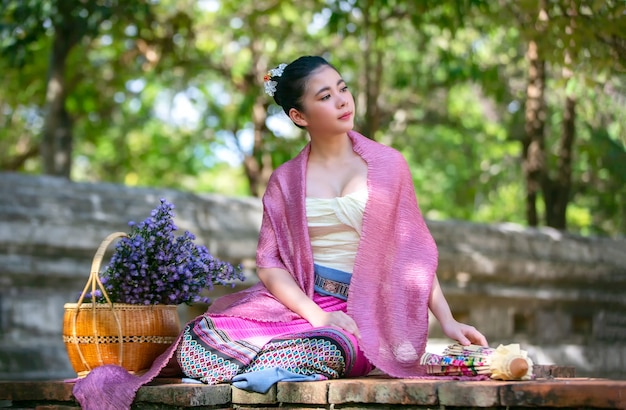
pixel 561 296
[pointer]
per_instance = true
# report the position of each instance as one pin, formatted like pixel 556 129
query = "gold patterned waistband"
pixel 332 286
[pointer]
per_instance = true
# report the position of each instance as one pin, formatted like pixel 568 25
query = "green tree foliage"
pixel 65 24
pixel 437 106
pixel 579 50
pixel 169 93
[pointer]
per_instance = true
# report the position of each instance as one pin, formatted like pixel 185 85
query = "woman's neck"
pixel 330 148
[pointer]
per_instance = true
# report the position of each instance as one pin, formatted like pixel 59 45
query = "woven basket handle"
pixel 94 282
pixel 94 275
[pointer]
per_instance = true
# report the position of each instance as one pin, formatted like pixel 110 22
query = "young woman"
pixel 345 261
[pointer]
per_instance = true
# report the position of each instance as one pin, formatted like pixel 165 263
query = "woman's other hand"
pixel 338 319
pixel 464 334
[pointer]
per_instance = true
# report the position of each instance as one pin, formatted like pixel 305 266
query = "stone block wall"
pixel 561 296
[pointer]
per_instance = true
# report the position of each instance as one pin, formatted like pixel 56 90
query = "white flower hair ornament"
pixel 269 84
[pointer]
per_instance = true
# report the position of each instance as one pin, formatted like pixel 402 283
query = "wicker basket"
pixel 131 336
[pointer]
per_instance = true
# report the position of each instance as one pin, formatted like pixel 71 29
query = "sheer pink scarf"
pixel 394 267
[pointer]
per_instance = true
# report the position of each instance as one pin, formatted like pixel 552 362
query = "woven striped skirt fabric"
pixel 215 349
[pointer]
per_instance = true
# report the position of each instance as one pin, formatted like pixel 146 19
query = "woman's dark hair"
pixel 292 83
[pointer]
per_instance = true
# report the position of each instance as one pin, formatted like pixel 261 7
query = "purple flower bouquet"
pixel 154 266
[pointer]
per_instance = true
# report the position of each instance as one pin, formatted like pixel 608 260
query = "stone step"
pixel 372 392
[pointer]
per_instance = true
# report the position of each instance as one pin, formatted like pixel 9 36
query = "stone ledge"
pixel 360 393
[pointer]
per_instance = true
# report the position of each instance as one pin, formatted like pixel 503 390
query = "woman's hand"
pixel 464 334
pixel 282 285
pixel 460 332
pixel 338 319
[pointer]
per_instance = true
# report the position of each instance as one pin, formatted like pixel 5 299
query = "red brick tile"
pixel 565 393
pixel 185 394
pixel 36 390
pixel 303 392
pixel 469 394
pixel 383 391
pixel 239 396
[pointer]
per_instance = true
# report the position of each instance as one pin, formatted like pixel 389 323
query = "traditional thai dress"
pixel 255 354
pixel 243 334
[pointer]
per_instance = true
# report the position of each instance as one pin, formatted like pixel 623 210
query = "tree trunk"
pixel 556 206
pixel 56 142
pixel 372 71
pixel 258 166
pixel 557 191
pixel 533 162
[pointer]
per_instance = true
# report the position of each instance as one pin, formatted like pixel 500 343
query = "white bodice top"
pixel 335 229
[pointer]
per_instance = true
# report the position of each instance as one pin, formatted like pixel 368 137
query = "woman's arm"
pixel 461 332
pixel 282 285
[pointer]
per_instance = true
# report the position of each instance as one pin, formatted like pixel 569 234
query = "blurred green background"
pixel 506 110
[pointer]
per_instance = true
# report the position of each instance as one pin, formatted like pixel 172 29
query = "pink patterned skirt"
pixel 215 349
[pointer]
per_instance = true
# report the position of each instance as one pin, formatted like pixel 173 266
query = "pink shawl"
pixel 394 266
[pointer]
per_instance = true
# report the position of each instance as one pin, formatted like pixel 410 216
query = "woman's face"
pixel 328 105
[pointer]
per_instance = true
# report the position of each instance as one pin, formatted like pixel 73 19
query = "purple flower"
pixel 154 266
